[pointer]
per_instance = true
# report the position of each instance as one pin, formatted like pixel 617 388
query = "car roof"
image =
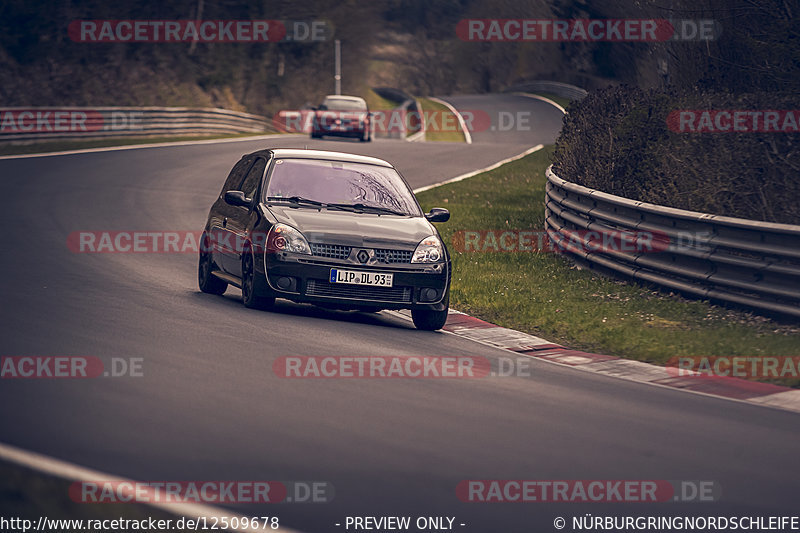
pixel 294 153
pixel 342 97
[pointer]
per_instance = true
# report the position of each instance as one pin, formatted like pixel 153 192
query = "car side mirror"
pixel 237 198
pixel 438 214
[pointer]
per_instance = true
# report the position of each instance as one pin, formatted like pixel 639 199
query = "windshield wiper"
pixel 299 200
pixel 379 209
pixel 344 207
pixel 373 208
pixel 295 200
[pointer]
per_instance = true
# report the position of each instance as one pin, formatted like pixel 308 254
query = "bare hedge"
pixel 617 140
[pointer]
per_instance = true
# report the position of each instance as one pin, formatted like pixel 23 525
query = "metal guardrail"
pixel 393 94
pixel 745 262
pixel 31 124
pixel 408 107
pixel 563 90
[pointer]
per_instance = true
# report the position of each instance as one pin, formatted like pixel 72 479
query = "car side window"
pixel 251 182
pixel 237 175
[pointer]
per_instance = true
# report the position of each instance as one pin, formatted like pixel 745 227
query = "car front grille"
pixel 334 251
pixel 382 255
pixel 323 288
pixel 393 256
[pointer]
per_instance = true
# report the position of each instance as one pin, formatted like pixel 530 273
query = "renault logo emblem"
pixel 362 256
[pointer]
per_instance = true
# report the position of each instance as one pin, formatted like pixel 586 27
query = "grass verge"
pixel 376 102
pixel 545 295
pixel 442 123
pixel 62 146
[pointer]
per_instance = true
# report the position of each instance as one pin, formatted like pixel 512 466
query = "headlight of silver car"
pixel 430 250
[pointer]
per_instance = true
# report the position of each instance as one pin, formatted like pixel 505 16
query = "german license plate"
pixel 357 277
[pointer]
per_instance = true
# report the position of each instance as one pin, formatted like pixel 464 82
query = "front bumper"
pixel 343 130
pixel 310 283
pixel 339 133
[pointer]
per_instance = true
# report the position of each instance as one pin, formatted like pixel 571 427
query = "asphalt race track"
pixel 210 408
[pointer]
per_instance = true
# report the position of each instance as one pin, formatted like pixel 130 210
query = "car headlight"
pixel 283 238
pixel 430 250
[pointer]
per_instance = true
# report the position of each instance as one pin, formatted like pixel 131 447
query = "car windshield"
pixel 342 104
pixel 362 186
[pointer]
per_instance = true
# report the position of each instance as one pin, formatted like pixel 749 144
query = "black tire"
pixel 208 283
pixel 316 135
pixel 252 295
pixel 429 320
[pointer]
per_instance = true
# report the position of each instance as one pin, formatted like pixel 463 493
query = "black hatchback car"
pixel 333 229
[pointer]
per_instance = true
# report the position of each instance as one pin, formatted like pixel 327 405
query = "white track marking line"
pixel 786 400
pixel 479 171
pixel 151 145
pixel 461 123
pixel 72 472
pixel 416 137
pixel 543 99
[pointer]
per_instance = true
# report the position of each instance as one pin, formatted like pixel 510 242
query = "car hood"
pixel 333 114
pixel 355 229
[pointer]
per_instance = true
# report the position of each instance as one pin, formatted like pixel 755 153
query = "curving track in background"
pixel 209 406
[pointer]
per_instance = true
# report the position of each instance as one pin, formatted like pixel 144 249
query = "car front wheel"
pixel 251 290
pixel 205 279
pixel 429 320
